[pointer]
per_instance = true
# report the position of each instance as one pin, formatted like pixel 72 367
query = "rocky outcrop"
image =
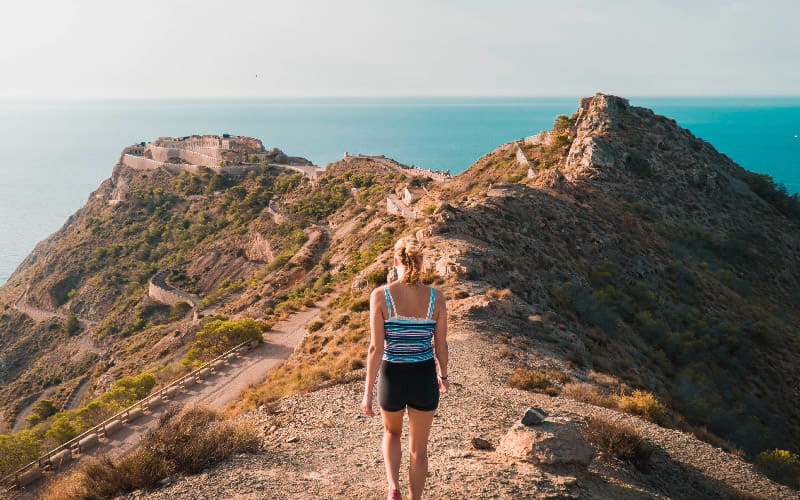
pixel 259 248
pixel 554 441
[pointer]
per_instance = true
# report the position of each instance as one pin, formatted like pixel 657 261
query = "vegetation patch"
pixel 620 441
pixel 535 380
pixel 782 466
pixel 52 429
pixel 219 335
pixel 186 441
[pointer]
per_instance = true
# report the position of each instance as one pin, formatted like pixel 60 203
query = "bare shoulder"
pixel 376 294
pixel 440 302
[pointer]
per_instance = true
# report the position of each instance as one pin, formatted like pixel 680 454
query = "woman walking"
pixel 408 323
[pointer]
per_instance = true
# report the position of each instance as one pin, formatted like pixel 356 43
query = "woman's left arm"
pixel 375 352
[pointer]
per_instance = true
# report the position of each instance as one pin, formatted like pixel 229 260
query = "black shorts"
pixel 412 384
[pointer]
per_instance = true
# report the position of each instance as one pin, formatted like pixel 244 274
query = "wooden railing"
pixel 90 438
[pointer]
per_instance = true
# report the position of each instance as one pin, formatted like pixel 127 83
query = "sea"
pixel 54 153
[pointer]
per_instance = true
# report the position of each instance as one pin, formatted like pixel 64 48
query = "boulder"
pixel 359 283
pixel 482 444
pixel 534 416
pixel 554 441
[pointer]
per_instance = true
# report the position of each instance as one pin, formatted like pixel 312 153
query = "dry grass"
pixel 640 403
pixel 326 356
pixel 186 441
pixel 535 380
pixel 620 441
pixel 499 294
pixel 587 393
pixel 645 405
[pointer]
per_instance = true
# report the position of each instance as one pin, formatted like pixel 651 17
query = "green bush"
pixel 219 335
pixel 377 278
pixel 645 405
pixel 179 310
pixel 71 325
pixel 773 193
pixel 780 465
pixel 42 409
pixel 18 449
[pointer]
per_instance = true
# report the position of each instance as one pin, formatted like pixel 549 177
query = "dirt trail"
pixel 218 389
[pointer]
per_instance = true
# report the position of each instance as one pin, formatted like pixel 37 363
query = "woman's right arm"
pixel 375 352
pixel 440 340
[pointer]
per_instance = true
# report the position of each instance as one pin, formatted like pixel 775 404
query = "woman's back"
pixel 411 301
pixel 408 337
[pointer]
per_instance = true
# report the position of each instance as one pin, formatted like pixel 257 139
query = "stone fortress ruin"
pixel 220 154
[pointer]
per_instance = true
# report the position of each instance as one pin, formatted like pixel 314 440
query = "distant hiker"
pixel 403 346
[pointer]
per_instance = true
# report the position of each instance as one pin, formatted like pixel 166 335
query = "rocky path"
pixel 36 313
pixel 39 314
pixel 222 387
pixel 319 445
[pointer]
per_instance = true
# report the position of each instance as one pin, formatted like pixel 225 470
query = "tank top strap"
pixel 431 303
pixel 389 302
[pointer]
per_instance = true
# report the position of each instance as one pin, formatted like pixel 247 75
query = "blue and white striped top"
pixel 408 339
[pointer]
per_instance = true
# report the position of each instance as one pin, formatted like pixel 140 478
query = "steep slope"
pixel 673 266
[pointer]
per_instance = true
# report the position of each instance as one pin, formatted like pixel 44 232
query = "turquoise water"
pixel 55 153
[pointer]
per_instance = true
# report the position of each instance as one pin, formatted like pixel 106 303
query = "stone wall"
pixel 142 163
pixel 163 292
pixel 396 207
pixel 195 158
pixel 522 159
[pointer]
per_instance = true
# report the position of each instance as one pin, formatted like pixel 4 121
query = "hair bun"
pixel 410 254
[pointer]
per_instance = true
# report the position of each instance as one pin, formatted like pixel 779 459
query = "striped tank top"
pixel 408 339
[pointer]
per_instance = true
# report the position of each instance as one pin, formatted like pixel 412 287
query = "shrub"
pixel 773 193
pixel 587 393
pixel 219 335
pixel 780 465
pixel 501 294
pixel 42 409
pixel 179 310
pixel 18 449
pixel 313 327
pixel 645 405
pixel 377 278
pixel 360 305
pixel 71 325
pixel 186 440
pixel 535 380
pixel 620 441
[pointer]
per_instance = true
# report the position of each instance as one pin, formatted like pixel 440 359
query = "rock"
pixel 533 416
pixel 359 283
pixel 482 444
pixel 554 441
pixel 292 439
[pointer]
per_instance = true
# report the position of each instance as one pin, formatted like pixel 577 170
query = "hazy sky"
pixel 143 48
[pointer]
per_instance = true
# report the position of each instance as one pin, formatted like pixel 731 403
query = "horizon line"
pixel 7 98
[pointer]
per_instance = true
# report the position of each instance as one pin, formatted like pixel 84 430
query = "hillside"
pixel 616 260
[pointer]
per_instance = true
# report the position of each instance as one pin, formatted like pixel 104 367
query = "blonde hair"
pixel 410 254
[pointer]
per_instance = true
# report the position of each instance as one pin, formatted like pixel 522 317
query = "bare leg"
pixel 392 432
pixel 419 427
